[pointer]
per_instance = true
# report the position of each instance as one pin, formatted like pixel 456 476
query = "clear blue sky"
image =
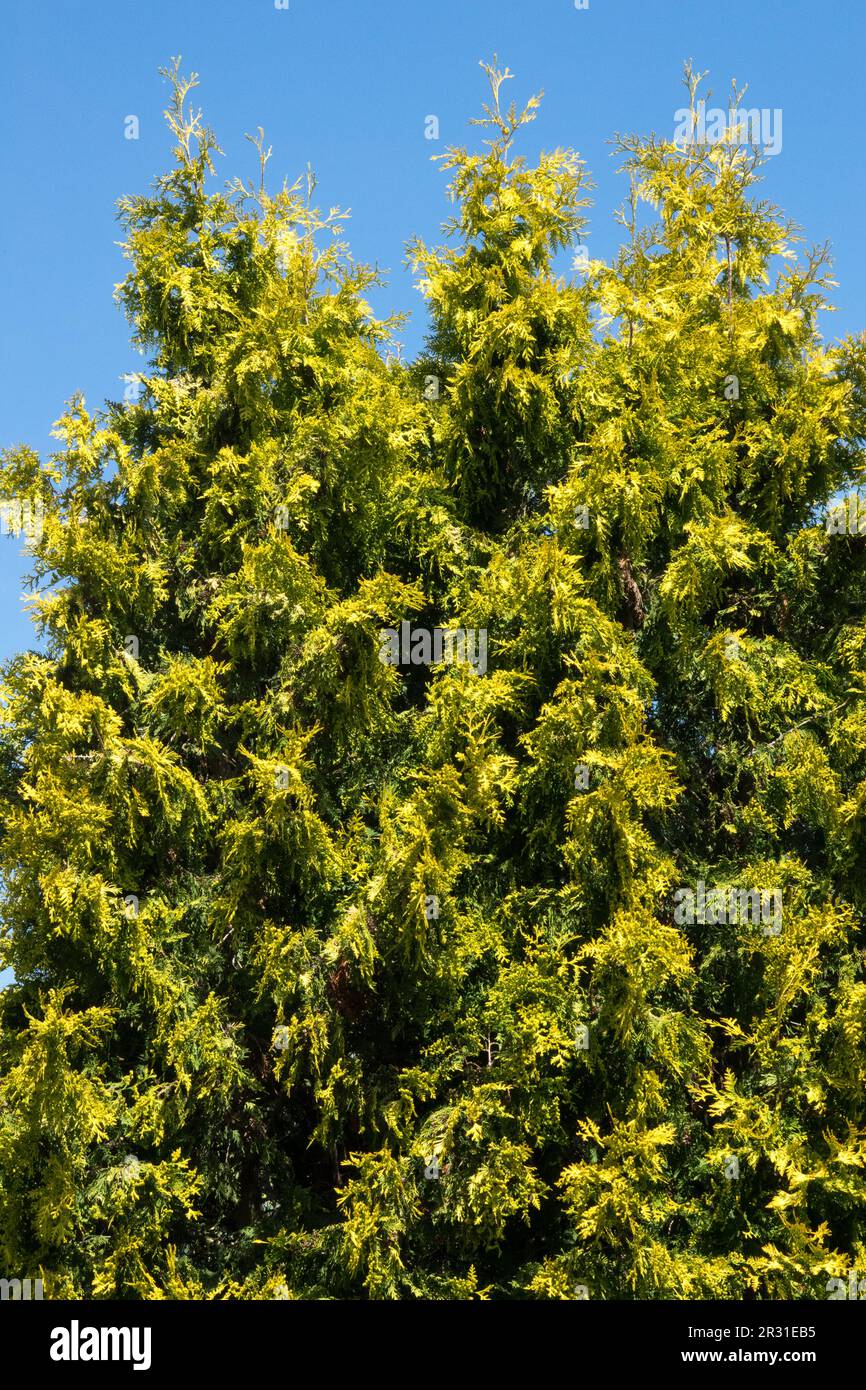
pixel 346 85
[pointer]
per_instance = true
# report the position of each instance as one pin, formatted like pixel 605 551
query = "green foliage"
pixel 342 979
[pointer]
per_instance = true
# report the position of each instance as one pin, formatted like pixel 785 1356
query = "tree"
pixel 536 972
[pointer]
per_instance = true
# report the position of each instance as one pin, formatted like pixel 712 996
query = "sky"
pixel 348 86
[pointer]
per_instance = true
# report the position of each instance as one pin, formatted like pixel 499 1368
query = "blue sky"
pixel 347 85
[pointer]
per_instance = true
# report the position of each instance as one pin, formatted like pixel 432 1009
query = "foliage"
pixel 333 979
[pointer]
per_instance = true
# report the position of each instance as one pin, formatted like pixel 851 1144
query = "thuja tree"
pixel 338 974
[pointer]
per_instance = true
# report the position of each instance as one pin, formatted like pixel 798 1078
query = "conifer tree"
pixel 339 974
